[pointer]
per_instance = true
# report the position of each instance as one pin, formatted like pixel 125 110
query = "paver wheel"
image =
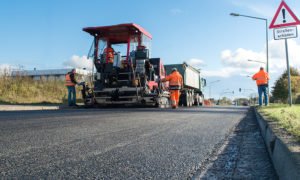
pixel 89 102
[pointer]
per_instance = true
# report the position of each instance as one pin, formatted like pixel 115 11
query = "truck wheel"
pixel 192 99
pixel 185 99
pixel 197 102
pixel 201 100
pixel 189 99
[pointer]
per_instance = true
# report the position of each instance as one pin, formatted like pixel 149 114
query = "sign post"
pixel 289 73
pixel 285 22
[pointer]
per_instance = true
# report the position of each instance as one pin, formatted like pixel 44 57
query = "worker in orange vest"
pixel 175 85
pixel 109 54
pixel 70 83
pixel 262 78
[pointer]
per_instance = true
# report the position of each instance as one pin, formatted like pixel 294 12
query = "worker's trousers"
pixel 71 96
pixel 262 89
pixel 175 94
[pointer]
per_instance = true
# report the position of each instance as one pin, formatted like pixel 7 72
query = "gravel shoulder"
pixel 242 155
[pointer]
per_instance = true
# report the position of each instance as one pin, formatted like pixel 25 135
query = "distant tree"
pixel 280 89
pixel 225 101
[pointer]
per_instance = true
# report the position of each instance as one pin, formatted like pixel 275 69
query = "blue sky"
pixel 48 35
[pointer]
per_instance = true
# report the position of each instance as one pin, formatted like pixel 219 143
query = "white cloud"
pixel 236 62
pixel 79 62
pixel 175 11
pixel 223 73
pixel 5 66
pixel 5 69
pixel 239 58
pixel 278 57
pixel 264 9
pixel 196 62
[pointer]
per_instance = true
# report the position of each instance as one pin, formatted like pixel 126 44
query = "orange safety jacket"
pixel 175 80
pixel 109 55
pixel 69 81
pixel 261 77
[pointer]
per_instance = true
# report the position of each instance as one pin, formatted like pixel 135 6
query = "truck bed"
pixel 191 76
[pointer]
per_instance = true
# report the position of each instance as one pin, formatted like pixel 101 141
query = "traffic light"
pixel 240 89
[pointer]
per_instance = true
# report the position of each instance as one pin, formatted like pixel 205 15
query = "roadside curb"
pixel 286 160
pixel 27 107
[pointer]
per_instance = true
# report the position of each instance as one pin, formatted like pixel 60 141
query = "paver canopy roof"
pixel 117 33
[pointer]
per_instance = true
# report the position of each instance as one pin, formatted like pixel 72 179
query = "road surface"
pixel 123 143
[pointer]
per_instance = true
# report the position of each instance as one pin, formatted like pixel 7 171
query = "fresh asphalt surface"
pixel 121 143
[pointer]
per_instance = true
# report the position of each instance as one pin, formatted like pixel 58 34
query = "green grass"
pixel 287 117
pixel 22 90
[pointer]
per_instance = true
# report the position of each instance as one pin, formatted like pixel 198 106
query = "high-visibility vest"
pixel 109 53
pixel 175 80
pixel 68 81
pixel 261 77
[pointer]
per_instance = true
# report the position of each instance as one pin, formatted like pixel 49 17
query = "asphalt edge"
pixel 286 163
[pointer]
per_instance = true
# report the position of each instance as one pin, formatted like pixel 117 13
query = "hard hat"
pixel 174 69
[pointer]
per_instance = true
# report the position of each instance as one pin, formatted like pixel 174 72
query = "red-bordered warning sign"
pixel 284 16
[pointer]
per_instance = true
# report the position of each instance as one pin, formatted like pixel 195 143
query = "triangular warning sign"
pixel 284 16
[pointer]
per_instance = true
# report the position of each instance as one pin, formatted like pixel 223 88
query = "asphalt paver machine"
pixel 131 78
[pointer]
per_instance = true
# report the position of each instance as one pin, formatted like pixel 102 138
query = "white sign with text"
pixel 285 33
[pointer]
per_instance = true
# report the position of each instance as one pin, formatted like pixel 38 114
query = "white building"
pixel 51 74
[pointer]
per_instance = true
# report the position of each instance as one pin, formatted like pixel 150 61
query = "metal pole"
pixel 289 73
pixel 267 46
pixel 209 91
pixel 267 50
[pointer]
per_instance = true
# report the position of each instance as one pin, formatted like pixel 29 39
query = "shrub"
pixel 23 90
